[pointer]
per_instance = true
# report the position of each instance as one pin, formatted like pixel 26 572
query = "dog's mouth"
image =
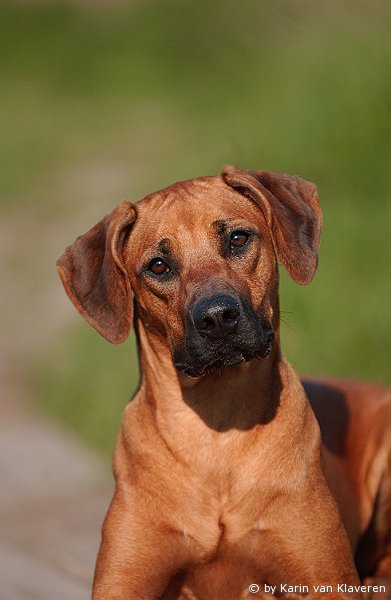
pixel 212 347
pixel 197 372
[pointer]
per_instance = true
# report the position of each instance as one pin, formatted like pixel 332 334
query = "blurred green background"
pixel 110 100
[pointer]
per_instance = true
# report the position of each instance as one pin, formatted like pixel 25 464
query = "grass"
pixel 163 91
pixel 88 385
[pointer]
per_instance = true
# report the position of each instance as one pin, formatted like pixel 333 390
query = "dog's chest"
pixel 240 542
pixel 224 516
pixel 239 568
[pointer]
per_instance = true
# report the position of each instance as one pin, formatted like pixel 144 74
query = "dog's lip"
pixel 221 363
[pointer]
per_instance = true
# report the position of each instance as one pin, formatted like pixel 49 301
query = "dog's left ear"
pixel 291 208
pixel 94 275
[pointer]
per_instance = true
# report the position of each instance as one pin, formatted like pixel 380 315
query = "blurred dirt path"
pixel 54 492
pixel 52 504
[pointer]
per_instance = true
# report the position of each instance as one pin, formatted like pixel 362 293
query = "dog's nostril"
pixel 205 323
pixel 230 315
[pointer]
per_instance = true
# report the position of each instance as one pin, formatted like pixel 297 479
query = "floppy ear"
pixel 95 278
pixel 291 208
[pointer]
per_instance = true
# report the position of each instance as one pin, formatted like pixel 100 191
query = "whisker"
pixel 290 326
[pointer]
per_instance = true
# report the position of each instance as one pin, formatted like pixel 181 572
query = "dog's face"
pixel 201 265
pixel 200 260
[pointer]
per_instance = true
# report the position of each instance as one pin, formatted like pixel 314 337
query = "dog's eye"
pixel 238 239
pixel 158 267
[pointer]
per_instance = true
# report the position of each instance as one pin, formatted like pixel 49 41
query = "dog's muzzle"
pixel 222 331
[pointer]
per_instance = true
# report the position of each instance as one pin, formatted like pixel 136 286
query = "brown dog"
pixel 222 481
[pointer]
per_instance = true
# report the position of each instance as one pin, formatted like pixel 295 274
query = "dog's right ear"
pixel 94 275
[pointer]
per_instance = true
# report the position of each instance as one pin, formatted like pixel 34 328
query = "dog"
pixel 234 478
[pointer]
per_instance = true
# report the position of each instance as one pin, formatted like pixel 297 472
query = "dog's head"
pixel 199 259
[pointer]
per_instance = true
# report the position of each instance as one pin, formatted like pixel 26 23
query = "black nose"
pixel 216 317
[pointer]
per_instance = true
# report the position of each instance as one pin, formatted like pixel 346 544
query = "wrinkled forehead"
pixel 191 209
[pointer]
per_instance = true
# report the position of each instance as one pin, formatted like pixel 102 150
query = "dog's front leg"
pixel 138 555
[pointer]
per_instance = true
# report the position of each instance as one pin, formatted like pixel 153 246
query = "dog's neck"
pixel 233 398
